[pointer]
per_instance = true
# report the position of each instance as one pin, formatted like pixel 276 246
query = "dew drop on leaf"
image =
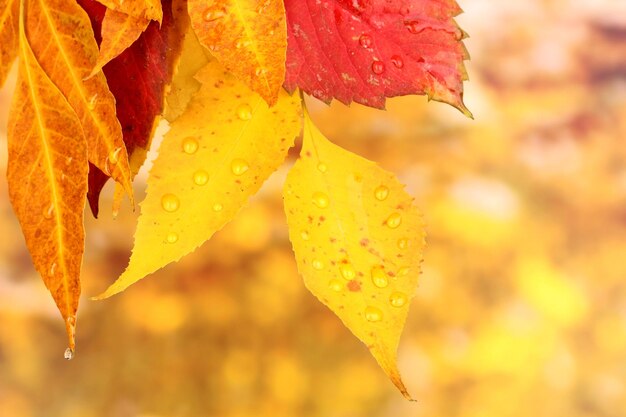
pixel 170 203
pixel 304 235
pixel 397 61
pixel 322 167
pixel 244 112
pixel 172 237
pixel 48 212
pixel 347 271
pixel 379 278
pixel 217 207
pixel 404 271
pixel 335 285
pixel 381 193
pixel 53 269
pixel 114 156
pixel 212 14
pixel 413 26
pixel 397 299
pixel 365 41
pixel 190 146
pixel 321 200
pixel 373 314
pixel 394 220
pixel 260 71
pixel 403 243
pixel 200 177
pixel 93 101
pixel 239 166
pixel 68 354
pixel 378 67
pixel 317 264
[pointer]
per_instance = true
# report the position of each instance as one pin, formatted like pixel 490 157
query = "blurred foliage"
pixel 522 304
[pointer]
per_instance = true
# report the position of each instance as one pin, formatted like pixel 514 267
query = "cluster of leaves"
pixel 95 77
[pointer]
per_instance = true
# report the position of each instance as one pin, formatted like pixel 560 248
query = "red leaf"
pixel 137 78
pixel 367 50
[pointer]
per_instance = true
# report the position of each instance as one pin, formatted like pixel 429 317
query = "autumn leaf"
pixel 367 51
pixel 8 36
pixel 248 37
pixel 47 176
pixel 61 38
pixel 358 241
pixel 119 31
pixel 138 79
pixel 142 9
pixel 213 159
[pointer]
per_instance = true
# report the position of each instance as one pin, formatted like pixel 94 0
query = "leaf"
pixel 358 240
pixel 144 9
pixel 119 31
pixel 365 51
pixel 249 38
pixel 148 65
pixel 213 159
pixel 8 36
pixel 63 42
pixel 47 177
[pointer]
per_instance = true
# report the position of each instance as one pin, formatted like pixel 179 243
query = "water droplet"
pixel 403 243
pixel 172 237
pixel 335 285
pixel 398 299
pixel 48 212
pixel 190 146
pixel 381 193
pixel 321 200
pixel 170 203
pixel 322 167
pixel 114 155
pixel 404 271
pixel 239 166
pixel 244 112
pixel 397 61
pixel 413 26
pixel 200 177
pixel 304 235
pixel 317 264
pixel 379 278
pixel 260 71
pixel 53 269
pixel 378 67
pixel 394 220
pixel 93 101
pixel 242 44
pixel 365 41
pixel 347 271
pixel 217 207
pixel 68 354
pixel 373 314
pixel 212 14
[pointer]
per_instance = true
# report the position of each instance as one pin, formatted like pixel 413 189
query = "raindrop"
pixel 48 212
pixel 322 167
pixel 170 203
pixel 244 112
pixel 397 61
pixel 347 271
pixel 378 67
pixel 200 177
pixel 190 146
pixel 217 207
pixel 53 269
pixel 114 155
pixel 403 243
pixel 260 71
pixel 373 314
pixel 68 354
pixel 91 105
pixel 365 41
pixel 381 193
pixel 379 278
pixel 212 14
pixel 404 271
pixel 239 166
pixel 172 237
pixel 304 235
pixel 413 26
pixel 397 299
pixel 321 200
pixel 335 285
pixel 317 264
pixel 394 220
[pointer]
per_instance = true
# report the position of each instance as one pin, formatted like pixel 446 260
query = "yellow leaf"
pixel 358 240
pixel 47 176
pixel 249 37
pixel 119 31
pixel 146 9
pixel 62 40
pixel 8 36
pixel 213 159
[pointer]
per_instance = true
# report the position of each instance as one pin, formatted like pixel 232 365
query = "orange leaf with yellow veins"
pixel 47 176
pixel 249 37
pixel 8 36
pixel 358 240
pixel 216 155
pixel 60 35
pixel 119 31
pixel 146 9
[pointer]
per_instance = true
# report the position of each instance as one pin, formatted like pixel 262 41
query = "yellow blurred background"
pixel 521 309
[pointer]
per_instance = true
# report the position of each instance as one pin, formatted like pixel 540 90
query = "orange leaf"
pixel 248 37
pixel 8 36
pixel 47 176
pixel 62 40
pixel 119 31
pixel 147 9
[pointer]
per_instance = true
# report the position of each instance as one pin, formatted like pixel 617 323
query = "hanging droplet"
pixel 190 146
pixel 373 314
pixel 317 264
pixel 217 207
pixel 397 61
pixel 321 200
pixel 172 237
pixel 398 299
pixel 335 285
pixel 394 220
pixel 68 354
pixel 170 203
pixel 322 167
pixel 378 67
pixel 365 41
pixel 381 193
pixel 49 211
pixel 239 166
pixel 379 278
pixel 212 14
pixel 403 243
pixel 347 271
pixel 304 235
pixel 93 101
pixel 404 271
pixel 114 155
pixel 200 177
pixel 244 112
